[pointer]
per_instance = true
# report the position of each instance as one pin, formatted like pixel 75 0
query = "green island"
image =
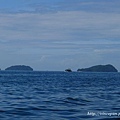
pixel 20 68
pixel 99 68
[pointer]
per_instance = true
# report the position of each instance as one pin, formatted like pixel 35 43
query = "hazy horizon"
pixel 58 34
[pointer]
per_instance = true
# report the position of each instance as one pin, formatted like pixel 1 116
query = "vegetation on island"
pixel 99 68
pixel 20 67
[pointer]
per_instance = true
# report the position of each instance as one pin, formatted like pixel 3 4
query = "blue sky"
pixel 59 34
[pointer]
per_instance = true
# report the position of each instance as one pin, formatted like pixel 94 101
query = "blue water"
pixel 59 96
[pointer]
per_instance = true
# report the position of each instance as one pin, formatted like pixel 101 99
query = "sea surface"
pixel 59 96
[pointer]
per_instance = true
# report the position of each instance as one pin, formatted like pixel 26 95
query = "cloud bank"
pixel 53 35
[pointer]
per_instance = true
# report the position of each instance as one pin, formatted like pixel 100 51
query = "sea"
pixel 56 95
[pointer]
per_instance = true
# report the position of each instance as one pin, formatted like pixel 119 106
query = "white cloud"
pixel 59 39
pixel 104 51
pixel 59 26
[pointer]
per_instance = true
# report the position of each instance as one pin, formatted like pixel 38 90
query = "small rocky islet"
pixel 68 70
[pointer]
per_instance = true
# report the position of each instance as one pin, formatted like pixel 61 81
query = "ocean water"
pixel 59 96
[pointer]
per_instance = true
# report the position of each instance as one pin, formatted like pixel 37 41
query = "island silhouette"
pixel 68 70
pixel 99 68
pixel 96 68
pixel 20 68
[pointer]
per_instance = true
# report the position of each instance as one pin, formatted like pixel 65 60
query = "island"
pixel 68 70
pixel 99 68
pixel 20 68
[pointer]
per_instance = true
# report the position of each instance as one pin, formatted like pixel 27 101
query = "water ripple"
pixel 58 95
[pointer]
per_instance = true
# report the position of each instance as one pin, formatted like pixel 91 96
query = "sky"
pixel 51 35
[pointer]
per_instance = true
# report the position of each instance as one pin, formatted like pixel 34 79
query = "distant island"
pixel 20 67
pixel 99 68
pixel 68 70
